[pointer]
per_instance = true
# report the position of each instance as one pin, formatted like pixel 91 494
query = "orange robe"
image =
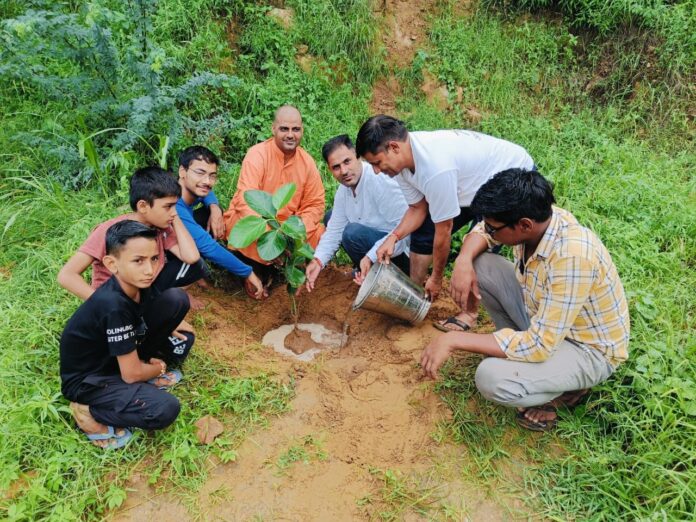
pixel 264 168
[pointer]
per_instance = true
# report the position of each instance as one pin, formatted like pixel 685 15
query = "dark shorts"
pixel 423 237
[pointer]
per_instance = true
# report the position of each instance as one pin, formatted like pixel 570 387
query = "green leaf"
pixel 273 224
pixel 305 250
pixel 260 201
pixel 294 227
pixel 271 245
pixel 283 195
pixel 246 231
pixel 294 276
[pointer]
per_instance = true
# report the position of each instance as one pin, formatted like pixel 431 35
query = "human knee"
pixel 163 412
pixel 495 385
pixel 175 300
pixel 352 233
pixel 487 268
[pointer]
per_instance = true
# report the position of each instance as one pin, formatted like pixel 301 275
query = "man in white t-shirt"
pixel 439 173
pixel 366 208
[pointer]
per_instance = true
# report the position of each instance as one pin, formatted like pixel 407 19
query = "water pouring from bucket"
pixel 387 290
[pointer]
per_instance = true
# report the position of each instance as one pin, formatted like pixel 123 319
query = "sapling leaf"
pixel 261 202
pixel 305 250
pixel 271 245
pixel 283 195
pixel 294 227
pixel 273 224
pixel 294 276
pixel 246 231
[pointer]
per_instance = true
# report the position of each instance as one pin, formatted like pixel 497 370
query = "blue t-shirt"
pixel 210 249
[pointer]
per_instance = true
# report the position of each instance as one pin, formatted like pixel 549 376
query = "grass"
pixel 620 155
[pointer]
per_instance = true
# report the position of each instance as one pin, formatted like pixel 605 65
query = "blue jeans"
pixel 358 239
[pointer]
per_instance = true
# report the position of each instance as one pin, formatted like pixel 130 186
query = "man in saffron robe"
pixel 269 165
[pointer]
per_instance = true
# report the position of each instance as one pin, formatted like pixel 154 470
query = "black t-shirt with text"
pixel 105 326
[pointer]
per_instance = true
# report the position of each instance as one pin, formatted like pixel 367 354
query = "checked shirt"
pixel 571 291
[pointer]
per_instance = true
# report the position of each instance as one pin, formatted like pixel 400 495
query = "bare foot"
pixel 539 415
pixel 90 426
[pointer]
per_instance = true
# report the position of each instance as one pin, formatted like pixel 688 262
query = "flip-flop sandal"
pixel 578 397
pixel 118 440
pixel 173 376
pixel 452 320
pixel 529 424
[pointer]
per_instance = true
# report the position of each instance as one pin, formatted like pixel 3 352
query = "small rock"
pixel 208 429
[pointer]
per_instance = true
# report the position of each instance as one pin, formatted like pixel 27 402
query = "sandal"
pixel 463 327
pixel 116 441
pixel 172 376
pixel 529 424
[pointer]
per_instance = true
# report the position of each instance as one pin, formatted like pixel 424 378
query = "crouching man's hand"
pixel 365 265
pixel 436 354
pixel 311 273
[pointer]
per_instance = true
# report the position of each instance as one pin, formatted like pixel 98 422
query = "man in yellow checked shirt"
pixel 560 309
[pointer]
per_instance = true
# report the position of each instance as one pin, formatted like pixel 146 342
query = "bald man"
pixel 273 163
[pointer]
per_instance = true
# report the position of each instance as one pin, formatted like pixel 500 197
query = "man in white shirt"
pixel 439 173
pixel 366 208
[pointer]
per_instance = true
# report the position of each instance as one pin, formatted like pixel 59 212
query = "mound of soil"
pixel 299 341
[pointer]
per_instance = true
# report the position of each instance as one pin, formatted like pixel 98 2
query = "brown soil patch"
pixel 404 29
pixel 366 407
pixel 299 341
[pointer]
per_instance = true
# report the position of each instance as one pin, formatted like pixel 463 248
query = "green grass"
pixel 620 155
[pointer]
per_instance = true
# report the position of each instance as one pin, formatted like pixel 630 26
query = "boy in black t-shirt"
pixel 113 357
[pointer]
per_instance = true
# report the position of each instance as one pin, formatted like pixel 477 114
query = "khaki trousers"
pixel 570 367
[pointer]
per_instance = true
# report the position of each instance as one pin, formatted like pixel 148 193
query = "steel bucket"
pixel 387 290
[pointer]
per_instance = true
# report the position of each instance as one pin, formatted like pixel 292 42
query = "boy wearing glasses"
pixel 560 309
pixel 115 350
pixel 197 177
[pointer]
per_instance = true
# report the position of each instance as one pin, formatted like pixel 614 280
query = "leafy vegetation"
pixel 92 90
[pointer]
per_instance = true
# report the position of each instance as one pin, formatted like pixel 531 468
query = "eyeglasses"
pixel 490 229
pixel 212 176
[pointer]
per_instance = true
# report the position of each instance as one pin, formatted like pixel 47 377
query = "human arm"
pixel 440 349
pixel 185 247
pixel 413 218
pixel 441 249
pixel 566 289
pixel 312 204
pixel 70 276
pixel 211 249
pixel 134 370
pixel 464 284
pixel 331 238
pixel 216 223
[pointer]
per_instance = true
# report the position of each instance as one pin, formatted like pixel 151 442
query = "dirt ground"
pixel 358 413
pixel 404 29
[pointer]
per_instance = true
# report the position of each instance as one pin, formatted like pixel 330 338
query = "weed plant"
pixel 623 164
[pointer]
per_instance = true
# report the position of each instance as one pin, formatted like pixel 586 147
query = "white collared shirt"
pixel 378 203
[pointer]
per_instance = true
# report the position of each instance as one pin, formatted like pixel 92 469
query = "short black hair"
pixel 121 232
pixel 197 152
pixel 151 183
pixel 334 143
pixel 377 131
pixel 514 194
